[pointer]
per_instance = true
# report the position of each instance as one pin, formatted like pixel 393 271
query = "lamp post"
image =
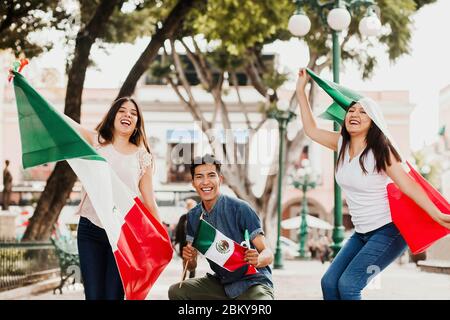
pixel 283 116
pixel 337 19
pixel 304 179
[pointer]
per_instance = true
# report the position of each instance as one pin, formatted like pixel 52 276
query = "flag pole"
pixel 184 273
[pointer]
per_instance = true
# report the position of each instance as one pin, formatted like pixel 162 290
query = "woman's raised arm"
pixel 326 138
pixel 86 133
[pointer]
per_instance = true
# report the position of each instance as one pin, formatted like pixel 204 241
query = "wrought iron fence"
pixel 24 263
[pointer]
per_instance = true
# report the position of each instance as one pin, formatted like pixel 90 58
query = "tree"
pixel 171 23
pixel 20 18
pixel 62 179
pixel 105 22
pixel 230 36
pixel 235 41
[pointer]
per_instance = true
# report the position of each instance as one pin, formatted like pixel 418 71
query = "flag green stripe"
pixel 342 95
pixel 205 236
pixel 42 156
pixel 45 135
pixel 335 113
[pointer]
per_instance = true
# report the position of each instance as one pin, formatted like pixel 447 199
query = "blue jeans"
pixel 101 277
pixel 355 264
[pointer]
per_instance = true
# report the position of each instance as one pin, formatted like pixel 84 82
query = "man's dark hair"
pixel 7 162
pixel 206 159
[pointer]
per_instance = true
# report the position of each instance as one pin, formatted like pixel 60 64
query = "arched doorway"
pixel 293 208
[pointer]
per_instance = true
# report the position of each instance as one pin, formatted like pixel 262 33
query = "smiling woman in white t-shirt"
pixel 120 138
pixel 367 159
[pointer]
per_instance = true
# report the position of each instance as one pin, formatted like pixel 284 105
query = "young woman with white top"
pixel 120 138
pixel 366 160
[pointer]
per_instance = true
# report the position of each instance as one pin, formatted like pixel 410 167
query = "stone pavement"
pixel 300 280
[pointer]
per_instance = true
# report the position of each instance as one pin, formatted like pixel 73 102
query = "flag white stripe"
pixel 220 257
pixel 96 177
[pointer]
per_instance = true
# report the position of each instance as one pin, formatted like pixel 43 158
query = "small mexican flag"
pixel 141 245
pixel 220 249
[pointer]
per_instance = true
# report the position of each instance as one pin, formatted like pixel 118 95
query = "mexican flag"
pixel 220 249
pixel 140 244
pixel 418 229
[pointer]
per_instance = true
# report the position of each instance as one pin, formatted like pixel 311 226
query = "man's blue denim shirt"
pixel 231 216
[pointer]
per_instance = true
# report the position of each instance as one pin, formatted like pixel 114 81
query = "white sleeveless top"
pixel 129 168
pixel 366 194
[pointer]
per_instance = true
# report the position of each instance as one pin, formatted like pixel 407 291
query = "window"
pixel 267 61
pixel 234 146
pixel 180 159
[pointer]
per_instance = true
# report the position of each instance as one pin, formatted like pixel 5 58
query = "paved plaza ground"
pixel 300 280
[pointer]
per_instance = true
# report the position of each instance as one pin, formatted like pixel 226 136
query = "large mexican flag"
pixel 217 247
pixel 141 245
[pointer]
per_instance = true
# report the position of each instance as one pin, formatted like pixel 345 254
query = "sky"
pixel 423 72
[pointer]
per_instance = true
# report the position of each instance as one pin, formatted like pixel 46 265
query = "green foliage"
pixel 161 70
pixel 235 27
pixel 132 19
pixel 241 24
pixel 223 60
pixel 236 31
pixel 274 79
pixel 126 26
pixel 20 18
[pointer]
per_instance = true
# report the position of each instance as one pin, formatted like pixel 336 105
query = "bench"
pixel 69 262
pixel 434 265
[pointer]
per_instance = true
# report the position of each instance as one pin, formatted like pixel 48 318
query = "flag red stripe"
pixel 144 250
pixel 417 228
pixel 236 260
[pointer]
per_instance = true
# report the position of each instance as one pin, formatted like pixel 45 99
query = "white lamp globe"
pixel 305 163
pixel 299 25
pixel 339 19
pixel 370 26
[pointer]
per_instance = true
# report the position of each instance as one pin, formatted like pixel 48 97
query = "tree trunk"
pixel 269 217
pixel 170 25
pixel 61 181
pixel 53 199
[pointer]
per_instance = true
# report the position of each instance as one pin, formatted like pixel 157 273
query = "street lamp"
pixel 283 114
pixel 304 179
pixel 370 25
pixel 299 24
pixel 338 19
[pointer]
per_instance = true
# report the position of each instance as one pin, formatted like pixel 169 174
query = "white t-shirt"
pixel 128 167
pixel 366 194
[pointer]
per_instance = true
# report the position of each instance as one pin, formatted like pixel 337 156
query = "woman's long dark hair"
pixel 377 142
pixel 105 128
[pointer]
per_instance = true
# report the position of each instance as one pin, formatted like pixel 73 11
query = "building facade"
pixel 174 137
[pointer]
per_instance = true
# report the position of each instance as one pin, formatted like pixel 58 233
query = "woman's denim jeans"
pixel 363 256
pixel 101 277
